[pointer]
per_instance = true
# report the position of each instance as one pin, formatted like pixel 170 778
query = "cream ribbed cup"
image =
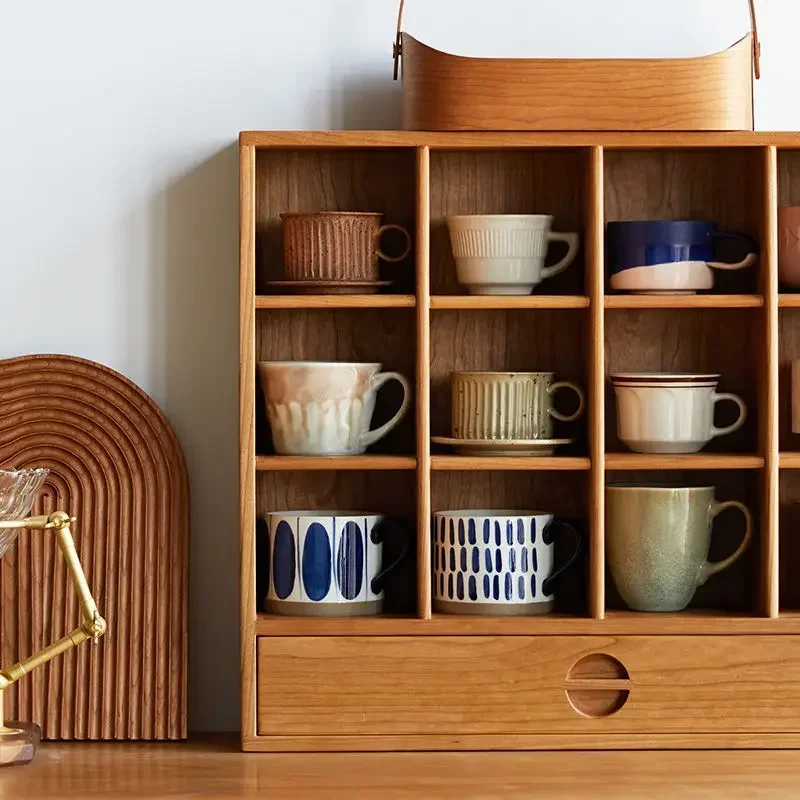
pixel 507 405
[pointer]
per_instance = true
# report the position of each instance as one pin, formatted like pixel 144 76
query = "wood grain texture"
pixel 505 463
pixel 492 301
pixel 336 301
pixel 506 182
pixel 306 463
pixel 211 767
pixel 488 140
pixel 516 685
pixel 247 433
pixel 722 186
pixel 719 341
pixel 736 590
pixel 443 92
pixel 514 340
pixel 768 386
pixel 692 622
pixel 332 180
pixel 362 335
pixel 594 215
pixel 423 383
pixel 116 464
pixel 684 301
pixel 647 461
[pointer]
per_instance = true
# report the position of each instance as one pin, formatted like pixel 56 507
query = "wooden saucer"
pixel 330 287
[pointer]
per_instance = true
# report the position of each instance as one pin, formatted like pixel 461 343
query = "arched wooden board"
pixel 116 464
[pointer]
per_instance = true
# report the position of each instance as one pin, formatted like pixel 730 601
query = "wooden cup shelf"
pixel 742 630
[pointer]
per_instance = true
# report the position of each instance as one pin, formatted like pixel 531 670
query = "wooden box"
pixel 723 673
pixel 444 92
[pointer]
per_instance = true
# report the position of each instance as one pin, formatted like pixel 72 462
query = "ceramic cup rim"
pixel 682 377
pixel 657 488
pixel 298 214
pixel 499 217
pixel 497 372
pixel 351 364
pixel 323 513
pixel 492 513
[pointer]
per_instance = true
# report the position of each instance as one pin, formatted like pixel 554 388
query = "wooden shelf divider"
pixel 508 463
pixel 334 463
pixel 532 301
pixel 648 461
pixel 684 301
pixel 594 222
pixel 768 387
pixel 281 301
pixel 423 383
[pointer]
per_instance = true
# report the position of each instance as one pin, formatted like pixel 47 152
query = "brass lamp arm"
pixel 93 627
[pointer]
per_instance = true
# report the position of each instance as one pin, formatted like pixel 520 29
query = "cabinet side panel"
pixel 247 455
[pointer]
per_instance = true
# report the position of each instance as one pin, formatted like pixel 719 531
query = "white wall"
pixel 118 188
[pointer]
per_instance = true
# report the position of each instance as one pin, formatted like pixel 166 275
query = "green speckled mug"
pixel 657 541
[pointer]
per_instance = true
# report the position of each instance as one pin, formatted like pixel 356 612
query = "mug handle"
pixel 712 567
pixel 581 401
pixel 547 538
pixel 383 230
pixel 752 250
pixel 734 398
pixel 370 437
pixel 376 537
pixel 573 241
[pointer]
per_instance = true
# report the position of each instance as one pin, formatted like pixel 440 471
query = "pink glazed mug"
pixel 789 245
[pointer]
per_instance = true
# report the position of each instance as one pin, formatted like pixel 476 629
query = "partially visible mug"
pixel 336 245
pixel 669 257
pixel 504 254
pixel 329 563
pixel 508 405
pixel 497 562
pixel 789 245
pixel 657 542
pixel 324 408
pixel 670 413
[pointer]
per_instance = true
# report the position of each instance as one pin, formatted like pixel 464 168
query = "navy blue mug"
pixel 670 256
pixel 329 563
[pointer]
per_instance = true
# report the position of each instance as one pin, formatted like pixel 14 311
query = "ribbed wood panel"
pixel 116 464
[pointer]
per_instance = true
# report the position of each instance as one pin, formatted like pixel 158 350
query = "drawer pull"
pixel 597 686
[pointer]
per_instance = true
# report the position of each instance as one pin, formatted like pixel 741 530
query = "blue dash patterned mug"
pixel 496 562
pixel 329 563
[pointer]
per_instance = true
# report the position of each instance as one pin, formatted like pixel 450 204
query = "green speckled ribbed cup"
pixel 657 541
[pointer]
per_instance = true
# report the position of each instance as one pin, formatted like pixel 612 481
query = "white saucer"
pixel 502 447
pixel 681 277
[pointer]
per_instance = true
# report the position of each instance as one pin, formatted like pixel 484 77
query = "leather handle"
pixel 397 49
pixel 754 28
pixel 398 45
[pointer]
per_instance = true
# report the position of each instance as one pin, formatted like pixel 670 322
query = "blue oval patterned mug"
pixel 497 562
pixel 329 563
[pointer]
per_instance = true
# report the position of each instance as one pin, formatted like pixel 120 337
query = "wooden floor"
pixel 215 769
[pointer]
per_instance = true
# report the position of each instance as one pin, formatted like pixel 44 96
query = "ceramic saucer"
pixel 502 447
pixel 329 287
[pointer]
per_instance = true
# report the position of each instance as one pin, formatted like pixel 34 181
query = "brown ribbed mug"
pixel 336 245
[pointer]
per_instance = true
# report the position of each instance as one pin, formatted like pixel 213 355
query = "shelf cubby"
pixel 525 181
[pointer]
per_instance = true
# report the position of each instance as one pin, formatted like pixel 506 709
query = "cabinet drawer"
pixel 410 685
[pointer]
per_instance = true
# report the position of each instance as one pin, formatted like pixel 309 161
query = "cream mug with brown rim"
pixel 324 408
pixel 508 405
pixel 336 245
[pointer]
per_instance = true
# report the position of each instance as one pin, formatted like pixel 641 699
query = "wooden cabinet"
pixel 592 674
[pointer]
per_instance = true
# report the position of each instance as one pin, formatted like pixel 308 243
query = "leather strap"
pixel 397 49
